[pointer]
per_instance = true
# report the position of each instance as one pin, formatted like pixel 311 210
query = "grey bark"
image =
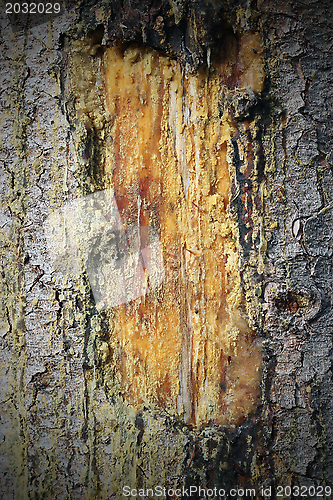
pixel 58 436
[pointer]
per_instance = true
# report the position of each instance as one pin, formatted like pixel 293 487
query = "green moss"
pixel 13 289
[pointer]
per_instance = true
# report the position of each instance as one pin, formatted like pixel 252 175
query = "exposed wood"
pixel 75 421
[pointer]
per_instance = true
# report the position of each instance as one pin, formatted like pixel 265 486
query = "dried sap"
pixel 185 345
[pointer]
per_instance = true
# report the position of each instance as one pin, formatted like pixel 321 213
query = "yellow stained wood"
pixel 185 346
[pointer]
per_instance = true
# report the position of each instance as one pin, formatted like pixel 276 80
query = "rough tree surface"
pixel 66 430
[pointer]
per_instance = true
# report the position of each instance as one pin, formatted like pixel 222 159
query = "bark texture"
pixel 61 436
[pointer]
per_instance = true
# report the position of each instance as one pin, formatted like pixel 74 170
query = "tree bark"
pixel 69 429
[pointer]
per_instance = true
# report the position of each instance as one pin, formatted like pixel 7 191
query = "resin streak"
pixel 185 346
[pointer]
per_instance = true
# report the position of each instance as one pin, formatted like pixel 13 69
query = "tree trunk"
pixel 192 138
